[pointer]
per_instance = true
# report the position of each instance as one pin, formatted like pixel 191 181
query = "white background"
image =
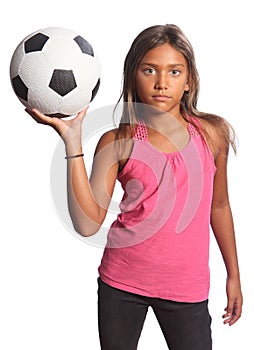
pixel 48 291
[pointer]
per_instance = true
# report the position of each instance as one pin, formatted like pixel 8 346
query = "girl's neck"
pixel 163 121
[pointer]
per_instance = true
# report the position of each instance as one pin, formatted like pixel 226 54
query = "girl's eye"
pixel 175 72
pixel 149 71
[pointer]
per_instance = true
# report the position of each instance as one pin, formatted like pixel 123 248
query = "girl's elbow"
pixel 86 230
pixel 220 204
pixel 86 225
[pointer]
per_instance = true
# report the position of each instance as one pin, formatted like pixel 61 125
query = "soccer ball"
pixel 56 71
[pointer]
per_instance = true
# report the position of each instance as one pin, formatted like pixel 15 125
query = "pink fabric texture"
pixel 159 244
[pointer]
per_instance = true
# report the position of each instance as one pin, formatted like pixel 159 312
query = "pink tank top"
pixel 159 244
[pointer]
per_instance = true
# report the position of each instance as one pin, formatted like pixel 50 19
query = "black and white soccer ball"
pixel 56 71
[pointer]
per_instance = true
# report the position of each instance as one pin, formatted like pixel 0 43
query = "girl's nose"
pixel 162 82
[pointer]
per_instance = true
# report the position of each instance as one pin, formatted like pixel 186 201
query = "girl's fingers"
pixel 39 117
pixel 82 113
pixel 232 314
pixel 67 129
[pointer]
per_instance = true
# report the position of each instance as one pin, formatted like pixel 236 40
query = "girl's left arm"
pixel 223 228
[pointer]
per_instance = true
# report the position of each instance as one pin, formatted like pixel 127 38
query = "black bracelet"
pixel 76 156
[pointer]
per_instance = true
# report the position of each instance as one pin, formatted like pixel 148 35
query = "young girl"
pixel 171 161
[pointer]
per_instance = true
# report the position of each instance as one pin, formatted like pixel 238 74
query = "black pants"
pixel 186 326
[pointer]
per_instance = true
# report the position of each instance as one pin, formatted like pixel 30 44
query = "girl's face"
pixel 162 79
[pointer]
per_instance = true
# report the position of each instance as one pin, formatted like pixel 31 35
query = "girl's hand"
pixel 69 130
pixel 235 301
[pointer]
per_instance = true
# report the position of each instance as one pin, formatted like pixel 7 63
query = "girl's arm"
pixel 223 228
pixel 88 199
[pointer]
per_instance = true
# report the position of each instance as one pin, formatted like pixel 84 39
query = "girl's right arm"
pixel 88 199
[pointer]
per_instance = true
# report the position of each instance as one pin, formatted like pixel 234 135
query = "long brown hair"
pixel 148 39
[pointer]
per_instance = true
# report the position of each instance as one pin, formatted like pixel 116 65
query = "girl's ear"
pixel 187 88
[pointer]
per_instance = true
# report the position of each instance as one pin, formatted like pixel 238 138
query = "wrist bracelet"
pixel 76 156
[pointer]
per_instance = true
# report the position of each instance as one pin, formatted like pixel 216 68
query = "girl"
pixel 171 160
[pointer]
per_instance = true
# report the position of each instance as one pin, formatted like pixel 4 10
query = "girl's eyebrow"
pixel 156 65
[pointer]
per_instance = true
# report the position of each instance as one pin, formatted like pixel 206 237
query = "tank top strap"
pixel 194 126
pixel 141 132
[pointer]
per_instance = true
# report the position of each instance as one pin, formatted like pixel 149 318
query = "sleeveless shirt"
pixel 159 244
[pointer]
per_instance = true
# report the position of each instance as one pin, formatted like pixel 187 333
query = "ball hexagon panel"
pixel 16 60
pixel 86 66
pixel 59 32
pixel 43 99
pixel 35 71
pixel 62 53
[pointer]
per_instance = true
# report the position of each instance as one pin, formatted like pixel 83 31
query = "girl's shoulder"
pixel 118 142
pixel 216 131
pixel 117 133
pixel 106 139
